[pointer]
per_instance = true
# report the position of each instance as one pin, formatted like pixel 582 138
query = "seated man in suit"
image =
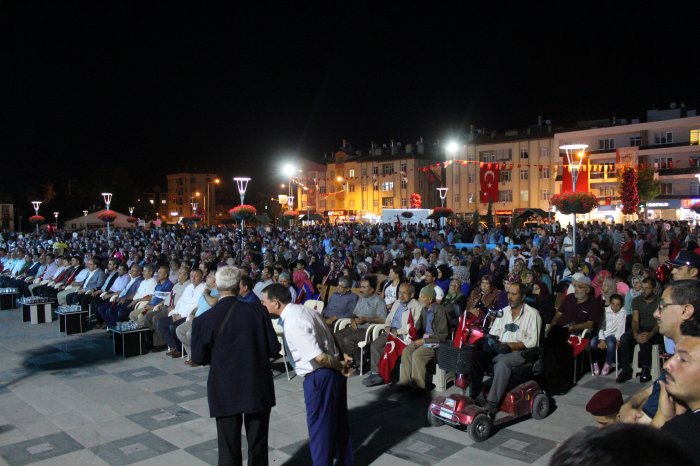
pixel 418 354
pixel 518 329
pixel 396 323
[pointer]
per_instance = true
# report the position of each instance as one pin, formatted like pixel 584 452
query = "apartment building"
pixel 187 189
pixel 358 185
pixel 667 141
pixel 526 175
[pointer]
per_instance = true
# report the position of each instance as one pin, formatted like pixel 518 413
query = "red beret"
pixel 605 402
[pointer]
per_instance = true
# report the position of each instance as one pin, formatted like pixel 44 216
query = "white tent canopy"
pixel 91 220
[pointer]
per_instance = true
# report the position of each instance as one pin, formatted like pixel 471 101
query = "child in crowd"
pixel 609 335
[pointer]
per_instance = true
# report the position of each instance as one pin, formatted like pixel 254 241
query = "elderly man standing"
pixel 240 388
pixel 417 355
pixel 325 386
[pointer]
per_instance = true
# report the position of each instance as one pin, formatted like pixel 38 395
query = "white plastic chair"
pixel 373 331
pixel 315 304
pixel 340 324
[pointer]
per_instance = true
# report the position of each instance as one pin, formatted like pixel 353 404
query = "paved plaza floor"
pixel 67 400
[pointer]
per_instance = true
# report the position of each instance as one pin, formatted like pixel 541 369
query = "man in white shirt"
pixel 518 329
pixel 315 358
pixel 265 279
pixel 176 316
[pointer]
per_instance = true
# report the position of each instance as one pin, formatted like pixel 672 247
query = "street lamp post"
pixel 443 194
pixel 242 185
pixel 36 205
pixel 574 151
pixel 85 212
pixel 451 149
pixel 108 200
pixel 55 214
pixel 207 200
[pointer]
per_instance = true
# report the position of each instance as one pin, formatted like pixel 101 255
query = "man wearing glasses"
pixel 518 329
pixel 678 304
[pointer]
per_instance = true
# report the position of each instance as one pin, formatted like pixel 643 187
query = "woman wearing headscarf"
pixel 481 299
pixel 454 301
pixel 597 282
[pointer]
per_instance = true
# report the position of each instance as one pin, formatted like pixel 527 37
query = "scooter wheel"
pixel 540 406
pixel 433 420
pixel 480 428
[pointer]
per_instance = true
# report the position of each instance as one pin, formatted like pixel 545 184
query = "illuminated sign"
pixel 651 205
pixel 174 214
pixel 504 212
pixel 336 213
pixel 686 203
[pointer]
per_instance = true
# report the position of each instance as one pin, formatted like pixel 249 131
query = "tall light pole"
pixel 55 214
pixel 131 211
pixel 574 152
pixel 108 200
pixel 207 200
pixel 242 185
pixel 85 212
pixel 289 171
pixel 36 205
pixel 443 194
pixel 451 150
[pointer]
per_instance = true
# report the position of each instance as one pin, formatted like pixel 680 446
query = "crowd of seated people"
pixel 416 282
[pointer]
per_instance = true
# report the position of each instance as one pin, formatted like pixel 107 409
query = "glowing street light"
pixel 108 200
pixel 443 194
pixel 36 205
pixel 85 213
pixel 55 214
pixel 573 152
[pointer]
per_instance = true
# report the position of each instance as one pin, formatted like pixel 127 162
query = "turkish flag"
pixel 392 352
pixel 488 177
pixel 581 182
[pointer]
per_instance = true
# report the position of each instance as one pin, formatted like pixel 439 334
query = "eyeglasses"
pixel 663 306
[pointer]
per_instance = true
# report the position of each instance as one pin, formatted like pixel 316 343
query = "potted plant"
pixel 440 212
pixel 36 219
pixel 243 212
pixel 574 203
pixel 107 216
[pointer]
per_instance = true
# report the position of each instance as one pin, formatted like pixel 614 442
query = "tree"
pixel 476 218
pixel 489 214
pixel 628 192
pixel 647 187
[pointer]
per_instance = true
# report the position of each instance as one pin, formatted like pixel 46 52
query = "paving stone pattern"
pixel 69 401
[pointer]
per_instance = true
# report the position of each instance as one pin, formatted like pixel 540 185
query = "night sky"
pixel 121 93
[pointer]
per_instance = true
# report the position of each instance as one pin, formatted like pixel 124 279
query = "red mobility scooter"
pixel 460 411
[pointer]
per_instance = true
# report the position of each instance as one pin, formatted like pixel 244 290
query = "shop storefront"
pixel 686 213
pixel 340 216
pixel 663 209
pixel 504 216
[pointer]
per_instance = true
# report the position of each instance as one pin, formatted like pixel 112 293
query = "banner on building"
pixel 488 178
pixel 581 182
pixel 627 157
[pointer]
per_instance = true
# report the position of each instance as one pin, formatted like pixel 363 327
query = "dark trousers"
pixel 627 344
pixel 166 329
pixel 326 398
pixel 502 369
pixel 348 339
pixel 228 431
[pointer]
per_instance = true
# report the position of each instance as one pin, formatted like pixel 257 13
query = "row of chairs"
pixel 325 291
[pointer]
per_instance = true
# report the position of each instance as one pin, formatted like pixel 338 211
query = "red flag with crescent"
pixel 392 352
pixel 488 177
